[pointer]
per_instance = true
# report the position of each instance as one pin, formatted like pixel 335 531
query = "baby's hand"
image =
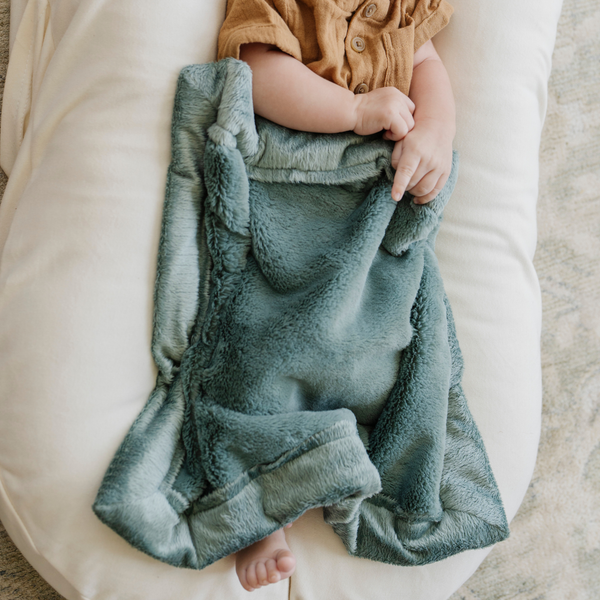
pixel 384 108
pixel 423 160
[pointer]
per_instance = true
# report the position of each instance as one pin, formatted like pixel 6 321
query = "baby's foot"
pixel 267 561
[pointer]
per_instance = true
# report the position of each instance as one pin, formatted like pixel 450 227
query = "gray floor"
pixel 554 549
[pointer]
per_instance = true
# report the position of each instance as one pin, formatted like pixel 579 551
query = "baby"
pixel 330 66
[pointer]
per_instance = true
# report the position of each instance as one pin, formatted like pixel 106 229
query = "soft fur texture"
pixel 306 351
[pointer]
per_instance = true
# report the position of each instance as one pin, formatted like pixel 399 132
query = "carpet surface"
pixel 554 549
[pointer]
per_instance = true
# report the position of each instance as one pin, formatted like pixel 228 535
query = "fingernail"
pixel 396 196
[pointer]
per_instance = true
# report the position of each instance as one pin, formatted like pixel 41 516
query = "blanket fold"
pixel 306 351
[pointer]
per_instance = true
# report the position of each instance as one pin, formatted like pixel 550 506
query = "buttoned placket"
pixel 358 43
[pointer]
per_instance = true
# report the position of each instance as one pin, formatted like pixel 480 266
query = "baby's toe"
pixel 244 581
pixel 285 561
pixel 251 577
pixel 261 573
pixel 272 573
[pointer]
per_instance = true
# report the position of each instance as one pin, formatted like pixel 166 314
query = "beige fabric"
pixel 358 44
pixel 569 204
pixel 81 220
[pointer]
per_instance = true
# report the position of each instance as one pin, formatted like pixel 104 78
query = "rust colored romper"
pixel 360 45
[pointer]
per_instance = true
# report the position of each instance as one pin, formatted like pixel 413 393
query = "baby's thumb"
pixel 396 154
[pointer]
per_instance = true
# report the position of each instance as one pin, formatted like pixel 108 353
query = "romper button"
pixel 358 44
pixel 363 88
pixel 370 10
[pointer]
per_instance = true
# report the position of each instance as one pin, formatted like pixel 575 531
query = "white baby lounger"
pixel 86 143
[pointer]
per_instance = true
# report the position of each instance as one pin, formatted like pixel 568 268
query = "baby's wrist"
pixel 355 110
pixel 443 127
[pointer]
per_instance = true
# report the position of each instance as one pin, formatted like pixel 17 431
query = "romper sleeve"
pixel 250 21
pixel 429 16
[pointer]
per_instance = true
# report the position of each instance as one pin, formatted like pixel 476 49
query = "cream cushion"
pixel 85 141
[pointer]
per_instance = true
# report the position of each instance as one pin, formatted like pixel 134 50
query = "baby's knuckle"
pixel 390 111
pixel 405 170
pixel 415 145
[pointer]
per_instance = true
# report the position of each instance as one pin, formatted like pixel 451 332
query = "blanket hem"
pixel 263 504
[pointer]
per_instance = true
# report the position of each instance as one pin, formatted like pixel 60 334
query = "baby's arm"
pixel 423 158
pixel 287 92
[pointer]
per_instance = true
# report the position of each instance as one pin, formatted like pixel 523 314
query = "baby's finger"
pixel 401 123
pixel 437 188
pixel 423 181
pixel 407 165
pixel 408 117
pixel 397 131
pixel 420 179
pixel 396 153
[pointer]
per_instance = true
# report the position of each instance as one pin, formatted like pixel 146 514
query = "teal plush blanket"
pixel 306 351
